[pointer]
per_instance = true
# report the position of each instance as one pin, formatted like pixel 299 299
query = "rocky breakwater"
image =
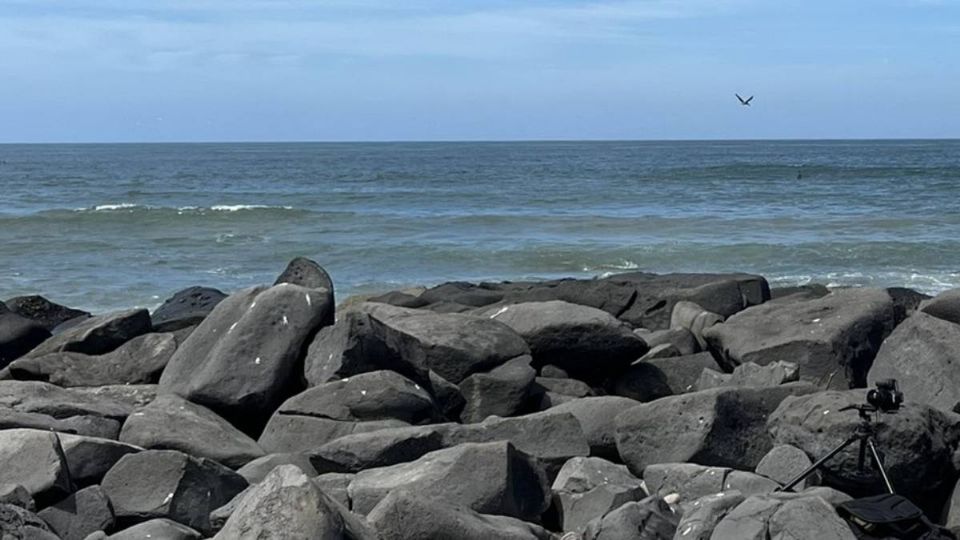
pixel 633 406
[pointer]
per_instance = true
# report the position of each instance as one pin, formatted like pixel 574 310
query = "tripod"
pixel 862 433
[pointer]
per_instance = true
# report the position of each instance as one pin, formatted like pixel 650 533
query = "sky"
pixel 384 70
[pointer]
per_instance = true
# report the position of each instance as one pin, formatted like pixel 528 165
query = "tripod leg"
pixel 799 478
pixel 879 464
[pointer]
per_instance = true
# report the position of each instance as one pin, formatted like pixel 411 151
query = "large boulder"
pixel 97 335
pixel 169 484
pixel 750 374
pixel 173 423
pixel 784 462
pixel 306 273
pixel 584 341
pixel 287 504
pixel 503 391
pixel 259 468
pixel 833 339
pixel 490 478
pixel 84 512
pixel 89 458
pixel 138 361
pixel 652 379
pixel 380 448
pixel 589 487
pixel 413 343
pixel 34 459
pixel 186 308
pixel 917 443
pixel 156 529
pixel 769 517
pixel 725 427
pixel 18 335
pixel 294 433
pixel 945 306
pixel 52 400
pixel 596 417
pixel 245 356
pixel 403 515
pixel 93 426
pixel 923 354
pixel 43 311
pixel 647 519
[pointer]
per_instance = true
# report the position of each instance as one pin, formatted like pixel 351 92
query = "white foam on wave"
pixel 238 207
pixel 112 207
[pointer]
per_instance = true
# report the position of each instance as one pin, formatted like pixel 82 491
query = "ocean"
pixel 111 226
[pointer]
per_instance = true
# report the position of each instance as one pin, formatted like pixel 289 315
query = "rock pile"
pixel 633 406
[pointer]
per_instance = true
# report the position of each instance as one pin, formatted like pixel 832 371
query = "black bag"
pixel 890 516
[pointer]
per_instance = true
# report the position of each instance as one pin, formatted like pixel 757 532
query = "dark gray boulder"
pixel 186 308
pixel 257 469
pixel 17 523
pixel 356 344
pixel 43 311
pixel 590 487
pixel 288 504
pixel 157 529
pixel 404 515
pixel 502 391
pixel 784 462
pixel 97 335
pixel 768 517
pixel 44 473
pixel 833 339
pixel 752 375
pixel 685 482
pixel 306 273
pixel 244 358
pixel 84 512
pixel 380 448
pixel 490 478
pixel 596 417
pixel 660 377
pixel 293 433
pixel 700 516
pixel 945 306
pixel 648 519
pixel 917 442
pixel 169 484
pixel 93 426
pixel 905 301
pixel 89 458
pixel 57 402
pixel 724 427
pixel 18 335
pixel 923 354
pixel 138 361
pixel 173 423
pixel 584 341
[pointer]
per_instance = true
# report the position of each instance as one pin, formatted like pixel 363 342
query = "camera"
pixel 886 397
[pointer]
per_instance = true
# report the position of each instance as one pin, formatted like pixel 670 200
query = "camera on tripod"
pixel 886 397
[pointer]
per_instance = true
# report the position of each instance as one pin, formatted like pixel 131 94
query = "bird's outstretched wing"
pixel 749 99
pixel 740 98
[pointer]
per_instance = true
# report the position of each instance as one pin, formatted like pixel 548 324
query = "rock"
pixel 490 478
pixel 587 488
pixel 97 335
pixel 17 523
pixel 916 442
pixel 784 462
pixel 763 517
pixel 402 515
pixel 682 339
pixel 648 519
pixel 257 469
pixel 173 423
pixel 596 417
pixel 219 517
pixel 411 342
pixel 661 377
pixel 811 291
pixel 446 395
pixel 130 396
pixel 695 319
pixel 17 495
pixel 93 426
pixel 380 448
pixel 688 481
pixel 85 512
pixel 700 517
pixel 833 339
pixel 724 427
pixel 503 391
pixel 584 341
pixel 158 529
pixel 905 302
pixel 51 400
pixel 553 372
pixel 306 273
pixel 138 361
pixel 186 308
pixel 18 335
pixel 287 504
pixel 335 485
pixel 564 386
pixel 243 359
pixel 944 306
pixel 752 375
pixel 44 475
pixel 46 313
pixel 169 484
pixel 290 433
pixel 89 458
pixel 922 354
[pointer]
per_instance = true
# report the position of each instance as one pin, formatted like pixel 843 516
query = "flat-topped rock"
pixel 44 312
pixel 97 335
pixel 186 308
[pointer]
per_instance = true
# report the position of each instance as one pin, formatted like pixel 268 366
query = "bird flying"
pixel 744 102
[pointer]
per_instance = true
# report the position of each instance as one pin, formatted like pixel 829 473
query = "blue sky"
pixel 264 70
